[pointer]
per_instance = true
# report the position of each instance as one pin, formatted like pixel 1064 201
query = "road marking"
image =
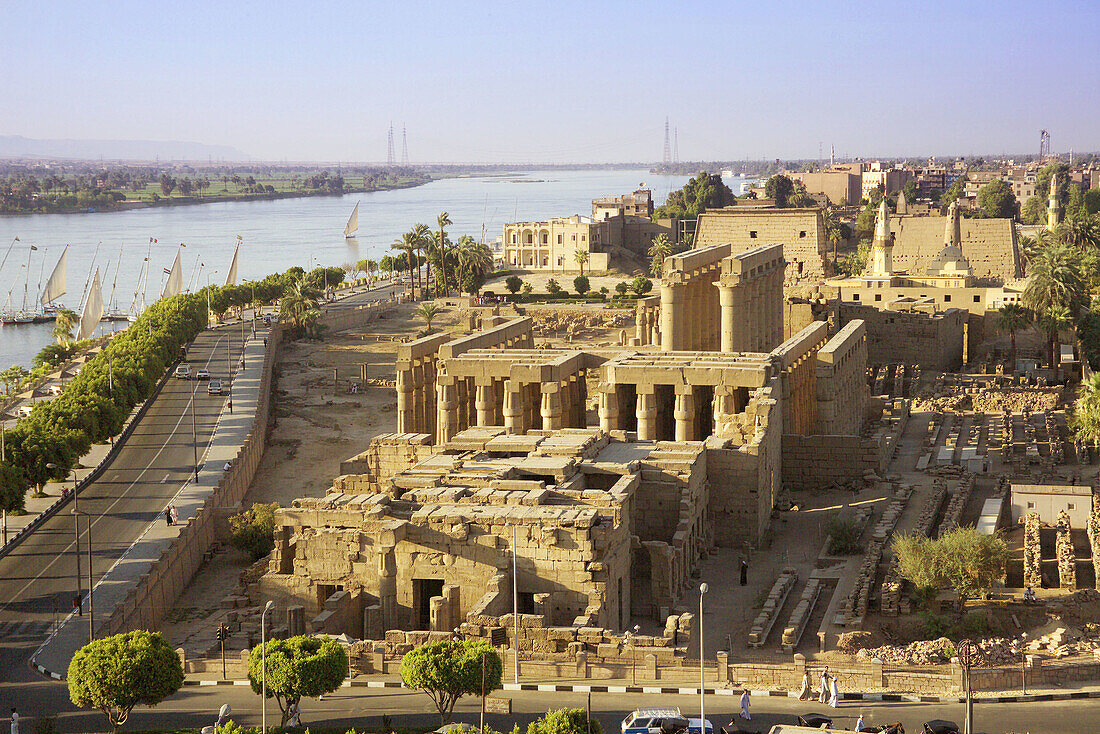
pixel 162 481
pixel 106 512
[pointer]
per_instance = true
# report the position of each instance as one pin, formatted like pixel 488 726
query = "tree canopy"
pixel 996 200
pixel 963 559
pixel 449 670
pixel 298 667
pixel 253 530
pixel 780 188
pixel 705 191
pixel 565 721
pixel 116 673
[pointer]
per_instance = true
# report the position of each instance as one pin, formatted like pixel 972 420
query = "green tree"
pixel 705 191
pixel 116 673
pixel 854 263
pixel 660 247
pixel 428 311
pixel 641 285
pixel 13 376
pixel 443 220
pixel 1053 322
pixel 1085 420
pixel 581 284
pixel 996 200
pixel 527 288
pixel 553 287
pixel 780 188
pixel 449 670
pixel 565 721
pixel 909 188
pixel 298 667
pixel 408 244
pixel 1034 211
pixel 513 283
pixel 253 530
pixel 475 263
pixel 1011 318
pixel 63 325
pixel 13 488
pixel 424 239
pixel 581 258
pixel 296 300
pixel 963 559
pixel 954 191
pixel 622 287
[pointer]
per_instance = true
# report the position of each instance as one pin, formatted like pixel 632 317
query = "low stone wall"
pixel 354 318
pixel 813 462
pixel 147 603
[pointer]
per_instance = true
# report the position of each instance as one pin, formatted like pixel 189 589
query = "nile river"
pixel 276 235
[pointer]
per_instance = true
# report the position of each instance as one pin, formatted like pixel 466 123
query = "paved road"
pixel 195 707
pixel 37 579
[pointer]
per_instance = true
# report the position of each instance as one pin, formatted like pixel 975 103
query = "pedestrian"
pixel 14 721
pixel 745 705
pixel 834 697
pixel 744 572
pixel 174 513
pixel 860 726
pixel 823 694
pixel 807 687
pixel 230 403
pixel 294 714
pixel 168 515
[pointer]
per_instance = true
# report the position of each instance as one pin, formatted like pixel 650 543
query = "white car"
pixel 183 371
pixel 214 388
pixel 202 375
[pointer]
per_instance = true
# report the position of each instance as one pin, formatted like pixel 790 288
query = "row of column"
pixel 752 313
pixel 517 406
pixel 689 424
pixel 800 396
pixel 688 312
pixel 647 328
pixel 415 396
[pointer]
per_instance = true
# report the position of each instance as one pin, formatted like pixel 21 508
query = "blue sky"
pixel 560 81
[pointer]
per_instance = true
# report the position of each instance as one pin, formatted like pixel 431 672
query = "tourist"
pixel 807 687
pixel 174 513
pixel 745 705
pixel 230 404
pixel 744 572
pixel 14 721
pixel 823 694
pixel 168 515
pixel 1029 595
pixel 834 697
pixel 294 715
pixel 860 726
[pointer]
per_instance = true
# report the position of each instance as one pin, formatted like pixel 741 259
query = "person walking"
pixel 167 515
pixel 744 572
pixel 860 726
pixel 14 721
pixel 807 688
pixel 174 513
pixel 823 694
pixel 745 705
pixel 834 692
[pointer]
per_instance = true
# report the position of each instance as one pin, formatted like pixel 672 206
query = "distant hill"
pixel 16 146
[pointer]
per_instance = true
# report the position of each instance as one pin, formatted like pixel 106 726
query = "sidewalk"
pixel 52 658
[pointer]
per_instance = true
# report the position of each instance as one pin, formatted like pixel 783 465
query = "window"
pixel 559 239
pixel 584 237
pixel 878 296
pixel 947 298
pixel 574 238
pixel 545 238
pixel 513 238
pixel 1070 506
pixel 855 296
pixel 530 238
pixel 752 233
pixel 802 233
pixel 977 299
pixel 1031 505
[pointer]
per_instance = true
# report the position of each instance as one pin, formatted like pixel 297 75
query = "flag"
pixel 34 248
pixel 167 271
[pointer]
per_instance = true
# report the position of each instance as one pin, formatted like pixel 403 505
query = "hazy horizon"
pixel 576 83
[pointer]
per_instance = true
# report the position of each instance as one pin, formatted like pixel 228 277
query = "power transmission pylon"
pixel 668 145
pixel 404 147
pixel 676 145
pixel 1044 145
pixel 389 153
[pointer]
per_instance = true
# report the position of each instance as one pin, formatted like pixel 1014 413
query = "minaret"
pixel 880 261
pixel 952 231
pixel 1054 209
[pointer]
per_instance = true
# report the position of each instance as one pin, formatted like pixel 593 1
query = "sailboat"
pixel 55 286
pixel 93 309
pixel 353 223
pixel 22 316
pixel 113 312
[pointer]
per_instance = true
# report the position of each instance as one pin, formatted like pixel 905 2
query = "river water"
pixel 276 235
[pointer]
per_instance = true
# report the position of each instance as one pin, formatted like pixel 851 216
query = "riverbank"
pixel 217 198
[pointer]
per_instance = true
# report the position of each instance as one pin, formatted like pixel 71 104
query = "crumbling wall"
pixel 1093 529
pixel 387 455
pixel 1067 559
pixel 932 341
pixel 1033 552
pixel 815 462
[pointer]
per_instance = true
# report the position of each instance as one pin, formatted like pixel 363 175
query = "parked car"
pixel 215 387
pixel 183 371
pixel 662 721
pixel 940 726
pixel 202 375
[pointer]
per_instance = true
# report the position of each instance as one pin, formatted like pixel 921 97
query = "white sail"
pixel 231 279
pixel 55 286
pixel 175 279
pixel 93 309
pixel 353 222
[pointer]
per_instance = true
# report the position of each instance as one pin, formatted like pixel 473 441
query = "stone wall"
pixel 932 341
pixel 841 381
pixel 816 462
pixel 1033 552
pixel 800 231
pixel 988 244
pixel 1067 559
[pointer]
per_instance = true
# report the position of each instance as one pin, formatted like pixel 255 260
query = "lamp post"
pixel 263 665
pixel 702 696
pixel 515 610
pixel 78 603
pixel 194 434
pixel 966 659
pixel 634 655
pixel 1023 664
pixel 91 605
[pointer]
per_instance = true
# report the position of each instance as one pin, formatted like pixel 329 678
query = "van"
pixel 662 721
pixel 183 371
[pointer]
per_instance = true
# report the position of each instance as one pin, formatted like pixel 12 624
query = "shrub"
pixel 641 285
pixel 513 283
pixel 962 559
pixel 448 670
pixel 564 721
pixel 622 287
pixel 844 535
pixel 254 529
pixel 527 289
pixel 581 284
pixel 553 287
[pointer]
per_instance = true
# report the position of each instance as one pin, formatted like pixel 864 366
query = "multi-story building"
pixel 552 244
pixel 841 185
pixel 637 204
pixel 891 180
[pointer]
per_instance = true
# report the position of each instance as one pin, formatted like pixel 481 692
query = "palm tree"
pixel 428 311
pixel 1054 279
pixel 1085 420
pixel 659 248
pixel 443 220
pixel 64 323
pixel 1081 231
pixel 297 300
pixel 580 257
pixel 475 261
pixel 408 243
pixel 1013 317
pixel 424 241
pixel 1053 322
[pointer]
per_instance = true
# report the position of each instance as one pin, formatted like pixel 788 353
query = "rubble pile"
pixel 577 325
pixel 991 652
pixel 1032 400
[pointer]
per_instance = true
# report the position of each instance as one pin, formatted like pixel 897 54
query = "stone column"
pixel 514 418
pixel 684 413
pixel 672 305
pixel 483 402
pixel 419 420
pixel 405 412
pixel 448 411
pixel 641 328
pixel 647 413
pixel 777 307
pixel 654 325
pixel 462 396
pixel 551 406
pixel 609 407
pixel 728 327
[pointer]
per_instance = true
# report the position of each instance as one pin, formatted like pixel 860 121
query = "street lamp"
pixel 224 712
pixel 194 433
pixel 263 665
pixel 1023 663
pixel 702 697
pixel 76 523
pixel 634 655
pixel 515 609
pixel 91 605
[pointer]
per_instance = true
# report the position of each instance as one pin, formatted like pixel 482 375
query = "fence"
pixel 154 594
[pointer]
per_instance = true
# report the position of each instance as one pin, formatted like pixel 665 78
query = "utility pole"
pixel 194 435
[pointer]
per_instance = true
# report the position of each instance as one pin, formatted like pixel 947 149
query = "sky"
pixel 530 81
